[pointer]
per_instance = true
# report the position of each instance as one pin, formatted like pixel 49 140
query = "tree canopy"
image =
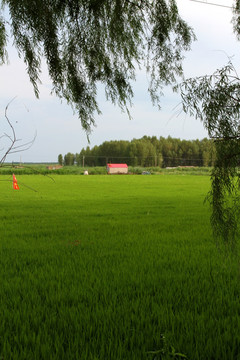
pixel 149 151
pixel 87 42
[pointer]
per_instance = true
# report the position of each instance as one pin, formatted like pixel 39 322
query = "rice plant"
pixel 106 267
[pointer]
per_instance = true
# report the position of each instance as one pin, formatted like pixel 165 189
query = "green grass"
pixel 114 267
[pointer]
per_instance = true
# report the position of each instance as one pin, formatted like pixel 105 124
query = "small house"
pixel 117 168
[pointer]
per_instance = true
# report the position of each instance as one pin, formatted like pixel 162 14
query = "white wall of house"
pixel 117 170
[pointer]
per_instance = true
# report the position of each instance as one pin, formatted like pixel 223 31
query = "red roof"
pixel 117 165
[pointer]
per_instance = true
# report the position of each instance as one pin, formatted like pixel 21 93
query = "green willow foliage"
pixel 87 42
pixel 215 100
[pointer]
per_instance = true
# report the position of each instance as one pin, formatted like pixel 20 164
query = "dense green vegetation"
pixel 147 151
pixel 43 169
pixel 114 267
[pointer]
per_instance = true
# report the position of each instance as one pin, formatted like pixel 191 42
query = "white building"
pixel 117 168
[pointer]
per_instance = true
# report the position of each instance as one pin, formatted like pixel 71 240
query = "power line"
pixel 110 157
pixel 210 3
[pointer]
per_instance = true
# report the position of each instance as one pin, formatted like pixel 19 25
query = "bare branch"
pixel 12 148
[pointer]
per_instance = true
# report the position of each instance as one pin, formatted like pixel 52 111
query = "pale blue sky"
pixel 59 131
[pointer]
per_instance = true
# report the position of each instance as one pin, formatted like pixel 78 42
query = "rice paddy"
pixel 114 268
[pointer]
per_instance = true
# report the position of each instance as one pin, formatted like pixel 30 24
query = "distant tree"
pixel 69 159
pixel 78 159
pixel 133 156
pixel 150 151
pixel 88 159
pixel 159 159
pixel 60 159
pixel 208 152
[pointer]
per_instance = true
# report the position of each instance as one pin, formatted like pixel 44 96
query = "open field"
pixel 114 268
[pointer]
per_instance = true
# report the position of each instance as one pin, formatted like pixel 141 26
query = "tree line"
pixel 147 151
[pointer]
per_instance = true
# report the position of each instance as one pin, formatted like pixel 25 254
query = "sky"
pixel 59 131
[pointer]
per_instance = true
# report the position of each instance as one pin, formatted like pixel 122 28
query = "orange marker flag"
pixel 15 184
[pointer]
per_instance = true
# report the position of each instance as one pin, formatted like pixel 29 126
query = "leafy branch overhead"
pixel 87 42
pixel 215 100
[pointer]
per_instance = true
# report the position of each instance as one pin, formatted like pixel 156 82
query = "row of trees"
pixel 147 151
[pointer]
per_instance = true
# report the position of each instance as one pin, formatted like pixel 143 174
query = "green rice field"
pixel 114 268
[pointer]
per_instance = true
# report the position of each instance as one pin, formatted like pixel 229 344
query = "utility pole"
pixel 83 158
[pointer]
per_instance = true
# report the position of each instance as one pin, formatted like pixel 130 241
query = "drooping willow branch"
pixel 215 100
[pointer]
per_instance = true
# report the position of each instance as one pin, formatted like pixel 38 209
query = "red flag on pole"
pixel 15 184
